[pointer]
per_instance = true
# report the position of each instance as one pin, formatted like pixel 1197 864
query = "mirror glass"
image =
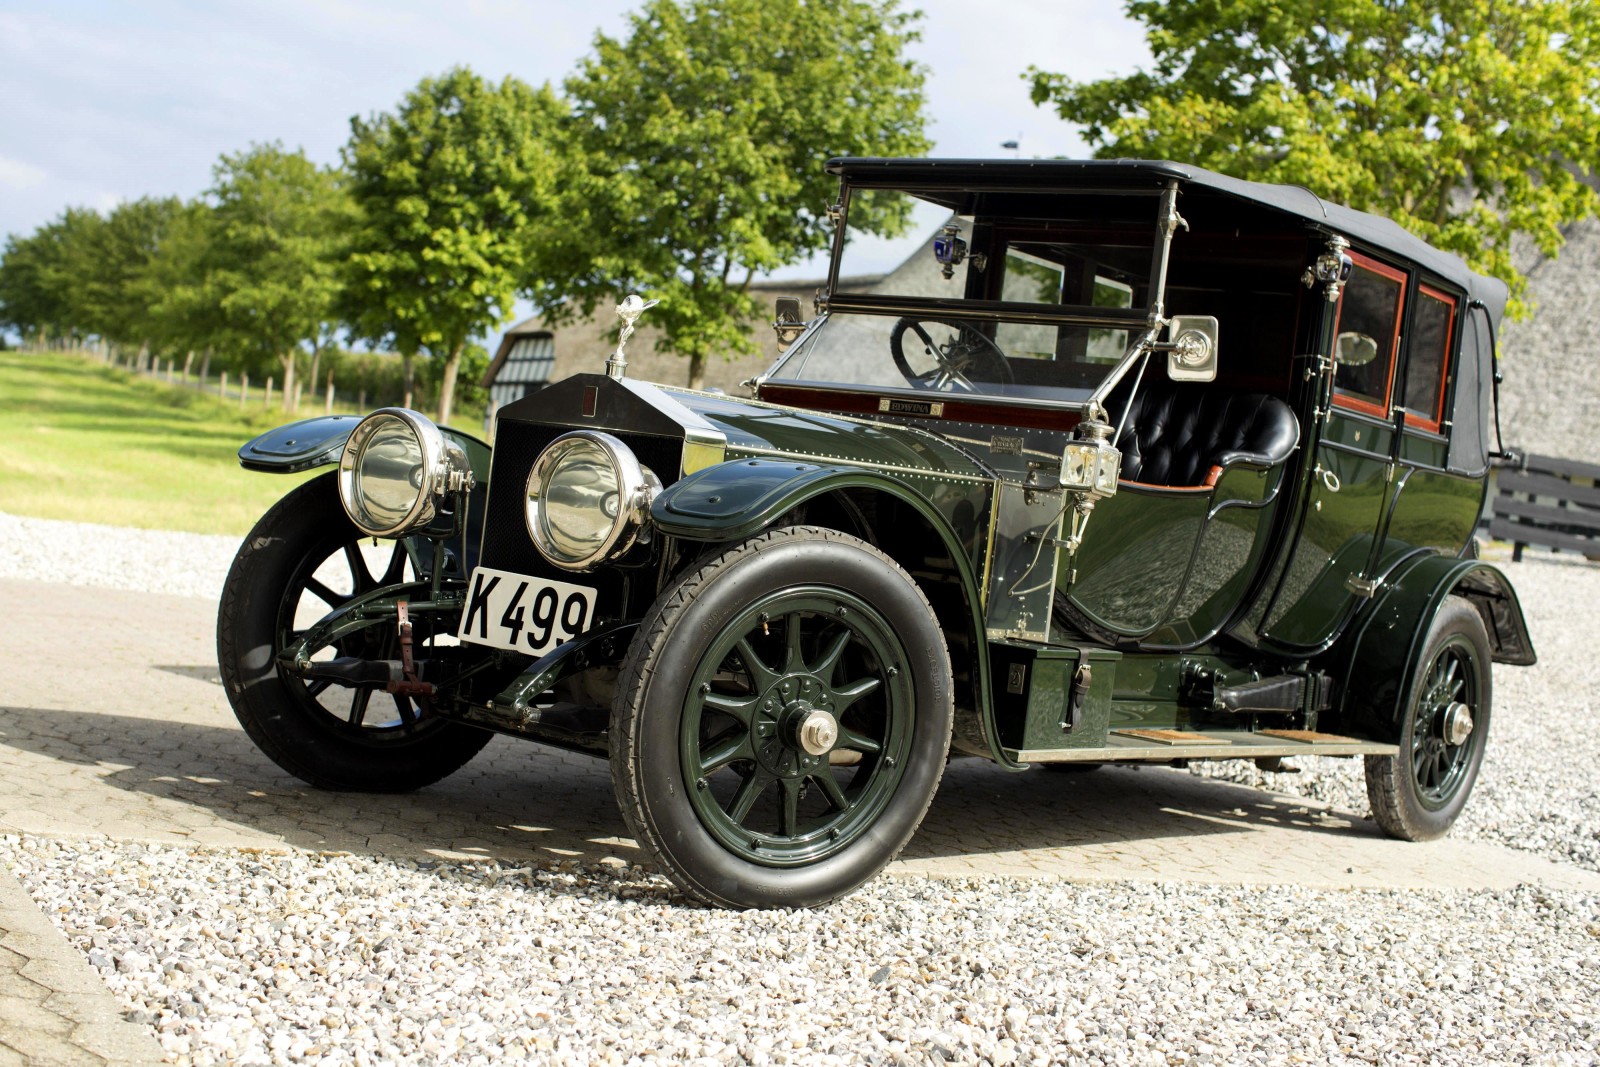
pixel 1355 349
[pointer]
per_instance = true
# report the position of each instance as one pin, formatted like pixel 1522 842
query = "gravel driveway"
pixel 243 956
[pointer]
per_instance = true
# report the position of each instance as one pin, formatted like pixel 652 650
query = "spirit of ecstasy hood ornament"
pixel 628 311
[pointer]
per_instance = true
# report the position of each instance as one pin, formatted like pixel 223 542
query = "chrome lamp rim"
pixel 439 458
pixel 636 487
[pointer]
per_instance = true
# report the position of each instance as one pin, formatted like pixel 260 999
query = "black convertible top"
pixel 928 177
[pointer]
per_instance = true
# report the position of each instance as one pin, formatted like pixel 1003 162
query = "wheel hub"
pixel 1458 724
pixel 794 726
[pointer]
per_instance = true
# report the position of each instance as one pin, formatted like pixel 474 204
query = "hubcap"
pixel 1457 724
pixel 818 732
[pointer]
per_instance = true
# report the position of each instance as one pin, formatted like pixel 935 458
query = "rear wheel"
pixel 782 720
pixel 303 559
pixel 1417 794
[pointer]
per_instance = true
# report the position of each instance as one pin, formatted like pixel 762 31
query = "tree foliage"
pixel 271 264
pixel 448 187
pixel 1466 121
pixel 702 138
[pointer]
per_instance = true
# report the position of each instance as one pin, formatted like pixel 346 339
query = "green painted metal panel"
pixel 1034 702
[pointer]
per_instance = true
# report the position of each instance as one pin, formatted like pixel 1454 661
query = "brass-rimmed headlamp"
pixel 395 469
pixel 588 499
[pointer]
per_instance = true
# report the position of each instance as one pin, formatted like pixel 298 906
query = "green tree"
pixel 111 297
pixel 41 277
pixel 272 264
pixel 703 136
pixel 448 187
pixel 185 312
pixel 1466 121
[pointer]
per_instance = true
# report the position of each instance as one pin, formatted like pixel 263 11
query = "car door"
pixel 1330 564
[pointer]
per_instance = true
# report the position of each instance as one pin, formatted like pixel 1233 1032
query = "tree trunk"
pixel 408 374
pixel 316 358
pixel 447 384
pixel 697 370
pixel 288 381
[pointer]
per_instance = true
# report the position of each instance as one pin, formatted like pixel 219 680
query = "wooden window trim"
pixel 1361 404
pixel 1413 418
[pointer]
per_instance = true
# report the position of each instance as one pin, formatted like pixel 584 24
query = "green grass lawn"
pixel 83 441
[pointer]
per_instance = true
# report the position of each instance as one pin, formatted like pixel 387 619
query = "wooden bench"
pixel 1548 501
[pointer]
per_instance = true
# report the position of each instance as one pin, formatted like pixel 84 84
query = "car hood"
pixel 754 428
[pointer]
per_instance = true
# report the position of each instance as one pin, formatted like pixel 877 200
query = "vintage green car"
pixel 1139 463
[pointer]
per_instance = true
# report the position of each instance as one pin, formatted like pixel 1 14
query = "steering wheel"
pixel 968 354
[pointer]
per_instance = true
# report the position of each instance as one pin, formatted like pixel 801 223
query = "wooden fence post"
pixel 299 395
pixel 222 387
pixel 267 403
pixel 244 388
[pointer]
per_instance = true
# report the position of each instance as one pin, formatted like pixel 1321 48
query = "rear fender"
pixel 1378 658
pixel 739 498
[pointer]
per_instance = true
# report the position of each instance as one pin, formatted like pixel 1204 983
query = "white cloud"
pixel 15 174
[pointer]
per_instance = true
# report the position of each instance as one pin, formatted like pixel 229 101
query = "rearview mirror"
pixel 1355 349
pixel 1192 348
pixel 787 322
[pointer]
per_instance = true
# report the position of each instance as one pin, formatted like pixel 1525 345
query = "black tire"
pixel 708 758
pixel 329 736
pixel 1417 794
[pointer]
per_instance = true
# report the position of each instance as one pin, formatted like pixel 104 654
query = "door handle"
pixel 1329 479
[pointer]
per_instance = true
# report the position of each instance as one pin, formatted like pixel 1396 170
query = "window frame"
pixel 1417 418
pixel 1353 402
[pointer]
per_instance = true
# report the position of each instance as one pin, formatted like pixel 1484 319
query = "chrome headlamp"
pixel 588 499
pixel 395 469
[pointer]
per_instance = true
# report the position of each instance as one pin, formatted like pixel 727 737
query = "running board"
pixel 1162 745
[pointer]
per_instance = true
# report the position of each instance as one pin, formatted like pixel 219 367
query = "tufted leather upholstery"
pixel 1176 433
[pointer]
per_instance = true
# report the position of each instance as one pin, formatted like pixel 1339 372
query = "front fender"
pixel 317 442
pixel 1378 658
pixel 739 498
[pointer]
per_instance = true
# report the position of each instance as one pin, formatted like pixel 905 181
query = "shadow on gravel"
pixel 519 801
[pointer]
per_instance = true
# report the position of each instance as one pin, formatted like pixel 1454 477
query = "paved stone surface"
pixel 113 724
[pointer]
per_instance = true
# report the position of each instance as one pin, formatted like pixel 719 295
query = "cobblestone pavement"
pixel 113 724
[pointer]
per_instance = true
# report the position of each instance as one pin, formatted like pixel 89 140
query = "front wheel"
pixel 303 559
pixel 1417 794
pixel 782 720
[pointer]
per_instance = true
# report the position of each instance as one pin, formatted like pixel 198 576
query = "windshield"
pixel 969 313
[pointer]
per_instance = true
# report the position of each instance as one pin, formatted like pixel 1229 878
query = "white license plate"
pixel 523 614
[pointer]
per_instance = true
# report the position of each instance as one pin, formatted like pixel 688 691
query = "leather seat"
pixel 1177 434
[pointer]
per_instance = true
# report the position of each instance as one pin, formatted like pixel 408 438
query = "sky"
pixel 106 102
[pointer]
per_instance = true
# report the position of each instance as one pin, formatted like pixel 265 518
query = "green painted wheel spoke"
pixel 723 750
pixel 749 792
pixel 831 789
pixel 738 707
pixel 789 824
pixel 849 738
pixel 824 667
pixel 324 594
pixel 846 695
pixel 794 659
pixel 358 706
pixel 761 675
pixel 361 578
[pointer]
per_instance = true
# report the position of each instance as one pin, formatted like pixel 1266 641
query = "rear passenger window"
pixel 1366 335
pixel 1427 356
